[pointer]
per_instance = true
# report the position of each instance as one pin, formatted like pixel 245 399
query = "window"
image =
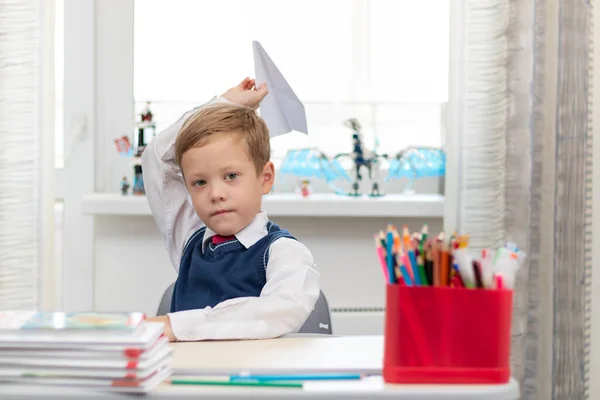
pixel 382 62
pixel 59 60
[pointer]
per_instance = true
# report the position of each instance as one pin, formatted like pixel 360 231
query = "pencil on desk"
pixel 228 382
pixel 300 377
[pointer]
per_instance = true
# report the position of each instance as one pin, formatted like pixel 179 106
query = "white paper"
pixel 281 109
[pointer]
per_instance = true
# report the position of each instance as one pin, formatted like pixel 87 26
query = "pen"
pixel 477 272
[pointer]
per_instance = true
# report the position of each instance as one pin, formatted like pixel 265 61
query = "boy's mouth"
pixel 220 212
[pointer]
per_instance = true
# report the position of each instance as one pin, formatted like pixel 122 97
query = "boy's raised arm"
pixel 163 182
pixel 166 191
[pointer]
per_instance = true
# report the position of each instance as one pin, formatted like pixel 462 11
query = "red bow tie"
pixel 220 239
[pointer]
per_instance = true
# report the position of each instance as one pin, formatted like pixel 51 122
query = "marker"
pixel 300 377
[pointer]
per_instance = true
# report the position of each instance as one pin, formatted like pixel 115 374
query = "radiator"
pixel 357 321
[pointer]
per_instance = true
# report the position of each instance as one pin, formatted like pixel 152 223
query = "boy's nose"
pixel 218 194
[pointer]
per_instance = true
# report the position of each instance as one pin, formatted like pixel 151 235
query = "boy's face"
pixel 221 178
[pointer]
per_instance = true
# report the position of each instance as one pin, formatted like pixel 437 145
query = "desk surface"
pixel 293 354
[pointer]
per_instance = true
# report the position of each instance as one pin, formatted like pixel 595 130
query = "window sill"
pixel 293 205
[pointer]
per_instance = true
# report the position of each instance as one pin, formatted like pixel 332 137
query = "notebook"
pixel 58 322
pixel 144 336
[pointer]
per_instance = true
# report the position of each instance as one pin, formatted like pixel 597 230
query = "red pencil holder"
pixel 447 335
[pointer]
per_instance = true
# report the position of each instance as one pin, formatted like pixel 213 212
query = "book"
pixel 116 352
pixel 144 337
pixel 35 321
pixel 143 384
pixel 30 360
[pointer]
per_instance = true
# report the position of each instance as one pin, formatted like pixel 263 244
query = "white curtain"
pixel 524 171
pixel 20 121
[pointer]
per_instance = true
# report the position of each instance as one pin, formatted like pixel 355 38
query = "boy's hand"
pixel 246 94
pixel 168 330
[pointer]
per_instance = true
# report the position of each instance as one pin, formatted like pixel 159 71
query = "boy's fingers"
pixel 244 83
pixel 262 91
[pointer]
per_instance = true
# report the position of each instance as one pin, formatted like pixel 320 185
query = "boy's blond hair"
pixel 226 118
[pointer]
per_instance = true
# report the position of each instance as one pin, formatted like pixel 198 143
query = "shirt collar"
pixel 252 233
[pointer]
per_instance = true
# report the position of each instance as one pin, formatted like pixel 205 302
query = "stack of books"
pixel 102 351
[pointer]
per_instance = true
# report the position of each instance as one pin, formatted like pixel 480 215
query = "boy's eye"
pixel 200 182
pixel 231 176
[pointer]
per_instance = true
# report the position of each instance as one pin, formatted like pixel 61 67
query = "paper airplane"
pixel 281 109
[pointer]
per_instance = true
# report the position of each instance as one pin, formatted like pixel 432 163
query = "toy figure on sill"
pixel 362 158
pixel 125 186
pixel 146 129
pixel 417 162
pixel 123 146
pixel 138 181
pixel 305 188
pixel 314 164
pixel 146 114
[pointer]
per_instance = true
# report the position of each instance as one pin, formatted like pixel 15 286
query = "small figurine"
pixel 145 127
pixel 362 157
pixel 123 145
pixel 125 186
pixel 305 188
pixel 146 114
pixel 138 181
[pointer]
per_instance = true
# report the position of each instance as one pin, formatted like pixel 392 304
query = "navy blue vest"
pixel 223 271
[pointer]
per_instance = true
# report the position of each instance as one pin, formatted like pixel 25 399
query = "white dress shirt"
pixel 292 286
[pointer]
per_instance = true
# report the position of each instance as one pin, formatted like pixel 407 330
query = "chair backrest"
pixel 165 303
pixel 319 320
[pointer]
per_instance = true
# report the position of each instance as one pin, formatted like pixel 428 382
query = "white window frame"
pixel 99 92
pixel 453 117
pixel 49 288
pixel 76 178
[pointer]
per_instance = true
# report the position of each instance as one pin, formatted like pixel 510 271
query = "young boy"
pixel 240 275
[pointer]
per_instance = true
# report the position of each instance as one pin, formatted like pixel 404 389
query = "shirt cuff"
pixel 219 99
pixel 183 323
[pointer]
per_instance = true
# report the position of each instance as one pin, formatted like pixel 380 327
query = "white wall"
pixel 132 268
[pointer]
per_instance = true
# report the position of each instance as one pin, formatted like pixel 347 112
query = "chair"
pixel 319 320
pixel 165 303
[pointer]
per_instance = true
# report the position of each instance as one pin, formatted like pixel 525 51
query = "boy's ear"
pixel 268 177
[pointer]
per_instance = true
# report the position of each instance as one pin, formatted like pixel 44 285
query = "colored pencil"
pixel 235 383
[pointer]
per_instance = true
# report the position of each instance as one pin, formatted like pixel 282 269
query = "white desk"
pixel 288 354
